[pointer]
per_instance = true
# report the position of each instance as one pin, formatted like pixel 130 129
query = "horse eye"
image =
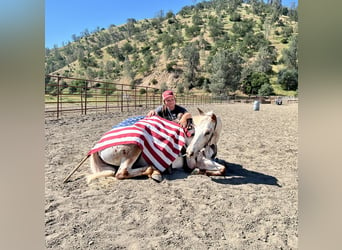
pixel 207 133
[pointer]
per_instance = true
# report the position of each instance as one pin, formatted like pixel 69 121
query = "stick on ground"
pixel 74 170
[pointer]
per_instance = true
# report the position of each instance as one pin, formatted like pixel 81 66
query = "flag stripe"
pixel 167 134
pixel 162 140
pixel 159 139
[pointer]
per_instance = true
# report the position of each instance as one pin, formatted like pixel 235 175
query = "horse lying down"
pixel 127 159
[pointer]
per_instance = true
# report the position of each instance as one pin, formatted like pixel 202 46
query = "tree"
pixel 225 68
pixel 290 55
pixel 108 88
pixel 244 27
pixel 192 31
pixel 288 79
pixel 166 39
pixel 215 27
pixel 293 12
pixel 170 14
pixel 253 82
pixel 109 67
pixel 233 5
pixel 128 71
pixel 266 57
pixel 235 17
pixel 257 6
pixel 191 59
pixel 196 19
pixel 148 61
pixel 130 25
pixel 116 53
pixel 127 48
pixel 266 90
pixel 276 10
pixel 74 37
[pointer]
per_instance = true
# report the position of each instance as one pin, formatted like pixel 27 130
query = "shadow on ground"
pixel 237 175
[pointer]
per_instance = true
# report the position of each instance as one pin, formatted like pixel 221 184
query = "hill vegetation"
pixel 218 46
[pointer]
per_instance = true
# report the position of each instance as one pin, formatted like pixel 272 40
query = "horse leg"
pixel 126 169
pixel 210 167
pixel 194 162
pixel 99 168
pixel 207 166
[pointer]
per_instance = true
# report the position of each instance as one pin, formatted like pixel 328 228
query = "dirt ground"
pixel 254 206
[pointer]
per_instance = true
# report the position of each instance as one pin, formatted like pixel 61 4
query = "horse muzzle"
pixel 190 153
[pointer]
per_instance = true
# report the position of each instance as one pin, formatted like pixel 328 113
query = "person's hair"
pixel 165 100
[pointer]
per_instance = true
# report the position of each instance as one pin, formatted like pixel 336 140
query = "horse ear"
pixel 200 111
pixel 213 117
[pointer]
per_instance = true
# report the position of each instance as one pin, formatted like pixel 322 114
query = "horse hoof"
pixel 195 171
pixel 157 177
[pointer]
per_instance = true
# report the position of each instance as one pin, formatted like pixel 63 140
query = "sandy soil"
pixel 254 206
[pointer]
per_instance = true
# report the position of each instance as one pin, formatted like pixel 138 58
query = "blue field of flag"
pixel 129 121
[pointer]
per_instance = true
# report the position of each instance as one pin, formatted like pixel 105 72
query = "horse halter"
pixel 211 137
pixel 189 127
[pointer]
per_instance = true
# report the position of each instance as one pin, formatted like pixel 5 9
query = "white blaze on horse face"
pixel 204 132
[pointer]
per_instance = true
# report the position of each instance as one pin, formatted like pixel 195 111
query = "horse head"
pixel 186 122
pixel 207 130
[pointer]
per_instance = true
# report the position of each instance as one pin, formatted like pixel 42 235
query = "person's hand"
pixel 151 113
pixel 183 123
pixel 182 120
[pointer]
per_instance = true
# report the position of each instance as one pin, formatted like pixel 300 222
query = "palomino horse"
pixel 130 163
pixel 203 146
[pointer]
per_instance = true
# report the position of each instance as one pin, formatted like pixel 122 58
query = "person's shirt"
pixel 170 115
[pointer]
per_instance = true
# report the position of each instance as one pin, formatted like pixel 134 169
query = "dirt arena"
pixel 254 206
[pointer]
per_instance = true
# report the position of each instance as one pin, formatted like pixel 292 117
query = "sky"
pixel 63 18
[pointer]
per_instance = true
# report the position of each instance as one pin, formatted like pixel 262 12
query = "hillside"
pixel 187 50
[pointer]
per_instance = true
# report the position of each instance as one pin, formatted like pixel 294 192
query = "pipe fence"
pixel 68 94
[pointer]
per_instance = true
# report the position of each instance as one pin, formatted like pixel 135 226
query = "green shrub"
pixel 266 90
pixel 284 40
pixel 288 79
pixel 169 66
pixel 235 17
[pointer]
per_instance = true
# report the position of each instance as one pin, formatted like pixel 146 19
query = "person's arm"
pixel 151 113
pixel 154 111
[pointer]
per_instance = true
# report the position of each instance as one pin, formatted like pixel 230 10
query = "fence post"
pixel 127 100
pixel 81 95
pixel 85 96
pixel 58 79
pixel 135 97
pixel 121 98
pixel 106 97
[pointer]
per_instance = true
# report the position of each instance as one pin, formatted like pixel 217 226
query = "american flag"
pixel 160 140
